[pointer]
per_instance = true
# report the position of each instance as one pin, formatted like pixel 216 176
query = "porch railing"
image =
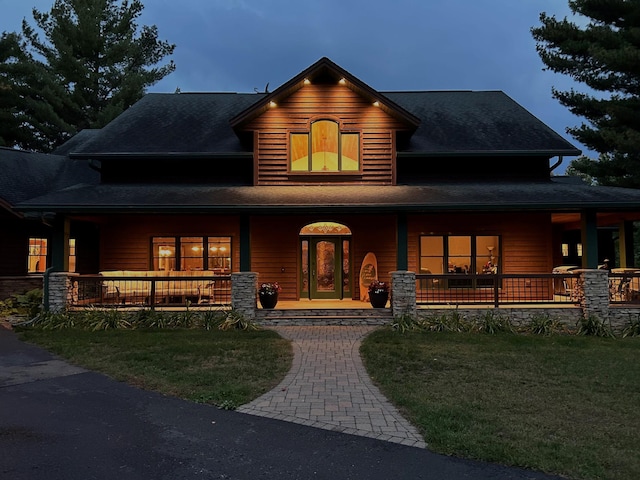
pixel 496 289
pixel 449 289
pixel 151 291
pixel 624 287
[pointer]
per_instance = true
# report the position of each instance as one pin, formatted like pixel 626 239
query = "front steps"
pixel 307 317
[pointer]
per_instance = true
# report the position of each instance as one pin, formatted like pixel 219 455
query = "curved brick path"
pixel 329 388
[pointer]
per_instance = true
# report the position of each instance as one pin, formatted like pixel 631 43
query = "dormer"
pixel 324 126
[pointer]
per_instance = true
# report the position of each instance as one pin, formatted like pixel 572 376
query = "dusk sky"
pixel 241 45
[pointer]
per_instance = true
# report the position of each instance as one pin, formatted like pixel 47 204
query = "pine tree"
pixel 92 63
pixel 604 54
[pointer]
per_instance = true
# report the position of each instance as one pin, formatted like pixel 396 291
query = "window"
pixel 72 254
pixel 38 252
pixel 444 254
pixel 325 149
pixel 191 254
pixel 37 256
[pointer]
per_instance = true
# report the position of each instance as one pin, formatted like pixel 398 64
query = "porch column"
pixel 594 298
pixel 60 245
pixel 403 236
pixel 244 291
pixel 245 244
pixel 62 291
pixel 403 293
pixel 589 238
pixel 625 234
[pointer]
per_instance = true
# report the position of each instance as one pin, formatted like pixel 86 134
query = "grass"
pixel 223 368
pixel 562 404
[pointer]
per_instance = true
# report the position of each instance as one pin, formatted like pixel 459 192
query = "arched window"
pixel 325 149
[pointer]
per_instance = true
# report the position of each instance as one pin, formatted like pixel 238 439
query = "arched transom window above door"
pixel 325 228
pixel 324 148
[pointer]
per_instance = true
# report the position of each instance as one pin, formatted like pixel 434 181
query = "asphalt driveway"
pixel 61 422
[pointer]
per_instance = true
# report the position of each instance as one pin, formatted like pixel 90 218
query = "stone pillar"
pixel 244 291
pixel 63 291
pixel 403 293
pixel 594 298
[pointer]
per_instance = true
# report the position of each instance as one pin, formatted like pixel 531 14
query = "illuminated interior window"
pixel 325 149
pixel 579 249
pixel 37 256
pixel 192 254
pixel 72 254
pixel 565 249
pixel 219 254
pixel 445 254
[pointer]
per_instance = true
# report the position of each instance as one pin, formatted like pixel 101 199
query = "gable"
pixel 325 72
pixel 289 126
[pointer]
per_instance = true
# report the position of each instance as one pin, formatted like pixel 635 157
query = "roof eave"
pixel 156 155
pixel 288 209
pixel 490 153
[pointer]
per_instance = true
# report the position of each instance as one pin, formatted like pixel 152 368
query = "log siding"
pixel 335 102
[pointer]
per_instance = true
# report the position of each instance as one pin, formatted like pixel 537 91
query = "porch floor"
pixel 321 304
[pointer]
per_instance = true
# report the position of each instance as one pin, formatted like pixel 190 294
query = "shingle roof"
pixel 29 174
pixel 173 123
pixel 476 121
pixel 285 199
pixel 464 122
pixel 75 142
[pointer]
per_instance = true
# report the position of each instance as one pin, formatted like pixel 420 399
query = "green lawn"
pixel 564 404
pixel 225 368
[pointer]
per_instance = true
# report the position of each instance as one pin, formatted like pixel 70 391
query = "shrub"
pixel 544 324
pixel 407 323
pixel 593 326
pixel 492 323
pixel 632 329
pixel 236 320
pixel 448 322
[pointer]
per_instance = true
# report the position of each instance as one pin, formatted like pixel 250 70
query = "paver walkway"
pixel 329 388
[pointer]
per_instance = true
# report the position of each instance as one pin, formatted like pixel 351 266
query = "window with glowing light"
pixel 39 250
pixel 325 149
pixel 192 254
pixel 37 257
pixel 462 254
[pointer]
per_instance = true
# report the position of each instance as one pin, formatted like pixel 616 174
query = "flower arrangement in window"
pixel 377 286
pixel 270 288
pixel 489 267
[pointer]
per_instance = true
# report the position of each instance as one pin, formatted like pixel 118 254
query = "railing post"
pixel 244 291
pixel 594 297
pixel 63 291
pixel 403 293
pixel 496 290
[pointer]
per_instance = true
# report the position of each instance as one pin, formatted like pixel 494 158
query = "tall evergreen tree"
pixel 604 54
pixel 92 62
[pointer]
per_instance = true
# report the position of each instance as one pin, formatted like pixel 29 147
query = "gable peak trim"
pixel 324 67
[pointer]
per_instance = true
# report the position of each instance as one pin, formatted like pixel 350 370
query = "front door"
pixel 325 261
pixel 325 272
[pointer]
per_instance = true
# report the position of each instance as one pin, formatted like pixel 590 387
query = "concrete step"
pixel 378 316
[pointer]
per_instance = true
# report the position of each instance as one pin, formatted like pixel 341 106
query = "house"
pixel 299 184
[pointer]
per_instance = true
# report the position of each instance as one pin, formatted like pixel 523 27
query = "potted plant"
pixel 268 294
pixel 378 293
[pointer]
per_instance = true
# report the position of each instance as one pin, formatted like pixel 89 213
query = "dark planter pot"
pixel 268 300
pixel 378 300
